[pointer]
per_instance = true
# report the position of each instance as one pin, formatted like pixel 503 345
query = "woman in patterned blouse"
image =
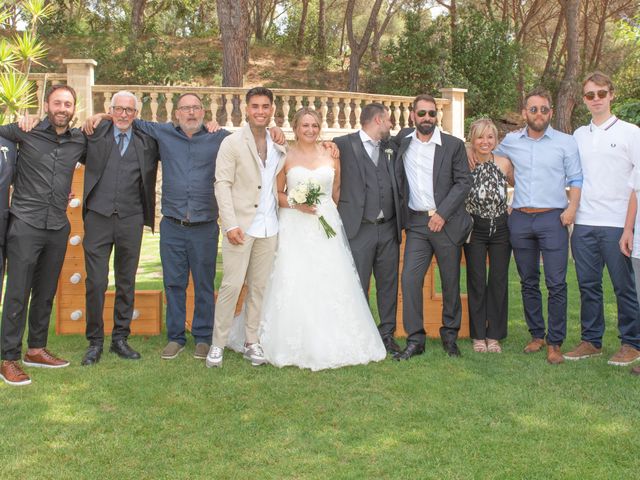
pixel 487 203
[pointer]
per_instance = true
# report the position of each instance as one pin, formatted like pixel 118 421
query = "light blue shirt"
pixel 127 138
pixel 543 168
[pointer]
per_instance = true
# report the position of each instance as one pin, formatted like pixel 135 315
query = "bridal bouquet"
pixel 309 193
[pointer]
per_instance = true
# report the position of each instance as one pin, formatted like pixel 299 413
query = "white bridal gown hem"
pixel 315 314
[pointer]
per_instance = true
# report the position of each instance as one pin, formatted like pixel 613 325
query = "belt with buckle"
pixel 534 210
pixel 184 223
pixel 428 213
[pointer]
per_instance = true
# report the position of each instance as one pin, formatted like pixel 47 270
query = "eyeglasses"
pixel 120 110
pixel 543 110
pixel 190 108
pixel 422 113
pixel 599 93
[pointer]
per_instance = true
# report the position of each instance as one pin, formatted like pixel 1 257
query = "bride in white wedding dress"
pixel 314 313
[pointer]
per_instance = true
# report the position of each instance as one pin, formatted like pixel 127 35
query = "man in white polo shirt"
pixel 609 150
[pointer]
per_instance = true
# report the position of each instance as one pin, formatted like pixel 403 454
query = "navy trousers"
pixel 185 249
pixel 532 235
pixel 593 248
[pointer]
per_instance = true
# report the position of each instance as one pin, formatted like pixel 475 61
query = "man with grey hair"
pixel 119 199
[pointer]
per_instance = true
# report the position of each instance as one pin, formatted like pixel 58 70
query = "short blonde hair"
pixel 477 129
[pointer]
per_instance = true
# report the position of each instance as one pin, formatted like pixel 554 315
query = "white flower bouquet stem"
pixel 309 193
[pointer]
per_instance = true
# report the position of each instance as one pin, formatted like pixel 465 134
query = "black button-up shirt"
pixel 44 170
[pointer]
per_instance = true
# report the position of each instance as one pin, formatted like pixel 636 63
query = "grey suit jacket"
pixel 352 183
pixel 99 147
pixel 7 169
pixel 451 184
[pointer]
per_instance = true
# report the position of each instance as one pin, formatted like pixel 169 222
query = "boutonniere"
pixel 388 152
pixel 4 149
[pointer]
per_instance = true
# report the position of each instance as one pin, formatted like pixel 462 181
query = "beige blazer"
pixel 238 180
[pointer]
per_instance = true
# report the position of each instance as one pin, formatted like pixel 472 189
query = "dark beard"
pixel 426 128
pixel 56 122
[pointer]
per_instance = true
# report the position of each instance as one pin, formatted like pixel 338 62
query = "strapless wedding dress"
pixel 314 313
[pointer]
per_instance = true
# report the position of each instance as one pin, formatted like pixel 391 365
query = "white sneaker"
pixel 255 354
pixel 214 357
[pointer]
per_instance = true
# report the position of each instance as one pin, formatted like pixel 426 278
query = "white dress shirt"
pixel 265 223
pixel 418 166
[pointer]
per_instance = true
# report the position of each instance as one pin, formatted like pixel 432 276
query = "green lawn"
pixel 508 416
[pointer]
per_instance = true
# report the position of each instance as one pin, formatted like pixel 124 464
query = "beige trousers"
pixel 248 263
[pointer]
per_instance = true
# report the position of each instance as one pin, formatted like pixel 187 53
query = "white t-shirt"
pixel 608 154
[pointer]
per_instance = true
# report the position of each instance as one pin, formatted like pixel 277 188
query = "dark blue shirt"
pixel 188 169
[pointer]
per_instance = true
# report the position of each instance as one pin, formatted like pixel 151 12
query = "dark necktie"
pixel 121 137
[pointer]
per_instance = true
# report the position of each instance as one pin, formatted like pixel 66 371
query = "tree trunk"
pixel 546 74
pixel 322 39
pixel 137 17
pixel 232 18
pixel 566 94
pixel 303 26
pixel 358 48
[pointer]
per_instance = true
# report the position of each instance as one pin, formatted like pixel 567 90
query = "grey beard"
pixel 426 129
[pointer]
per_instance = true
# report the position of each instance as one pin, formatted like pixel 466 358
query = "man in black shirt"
pixel 38 231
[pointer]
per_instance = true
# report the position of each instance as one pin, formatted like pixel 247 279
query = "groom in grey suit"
pixel 370 210
pixel 434 181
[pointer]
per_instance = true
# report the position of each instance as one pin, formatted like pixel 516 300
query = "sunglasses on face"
pixel 599 93
pixel 431 113
pixel 543 110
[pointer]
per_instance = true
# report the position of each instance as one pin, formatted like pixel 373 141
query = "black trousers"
pixel 375 250
pixel 421 244
pixel 488 297
pixel 102 236
pixel 34 260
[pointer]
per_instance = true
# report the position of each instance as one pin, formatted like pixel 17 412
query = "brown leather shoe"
pixel 583 350
pixel 635 371
pixel 554 355
pixel 12 374
pixel 44 359
pixel 535 345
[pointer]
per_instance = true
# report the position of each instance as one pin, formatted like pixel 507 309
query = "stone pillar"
pixel 453 118
pixel 80 76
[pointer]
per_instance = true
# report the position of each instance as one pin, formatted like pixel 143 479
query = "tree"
pixel 233 19
pixel 566 96
pixel 359 47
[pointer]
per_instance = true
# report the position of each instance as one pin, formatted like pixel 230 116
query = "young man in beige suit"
pixel 245 188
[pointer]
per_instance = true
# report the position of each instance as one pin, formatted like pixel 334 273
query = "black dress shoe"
pixel 452 349
pixel 391 345
pixel 92 356
pixel 412 350
pixel 123 350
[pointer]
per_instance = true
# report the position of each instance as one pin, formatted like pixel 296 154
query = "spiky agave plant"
pixel 17 93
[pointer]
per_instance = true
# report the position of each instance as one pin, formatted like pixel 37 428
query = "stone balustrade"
pixel 339 111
